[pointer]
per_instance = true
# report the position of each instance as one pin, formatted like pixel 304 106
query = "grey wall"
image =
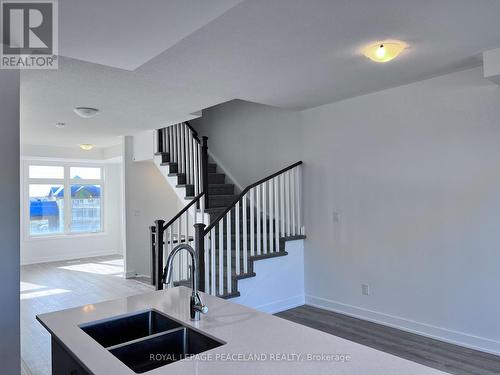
pixel 401 192
pixel 413 174
pixel 147 197
pixel 9 222
pixel 251 140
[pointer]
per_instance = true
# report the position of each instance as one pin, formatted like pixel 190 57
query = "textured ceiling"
pixel 289 53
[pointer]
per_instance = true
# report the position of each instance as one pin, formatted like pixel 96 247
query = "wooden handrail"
pixel 195 133
pixel 242 194
pixel 195 199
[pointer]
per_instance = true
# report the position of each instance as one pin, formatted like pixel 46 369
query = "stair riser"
pixel 227 189
pixel 216 178
pixel 174 167
pixel 189 190
pixel 181 179
pixel 220 200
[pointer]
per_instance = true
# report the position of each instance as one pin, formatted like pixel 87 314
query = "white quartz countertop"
pixel 281 346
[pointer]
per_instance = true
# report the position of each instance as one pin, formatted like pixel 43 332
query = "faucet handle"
pixel 197 306
pixel 201 308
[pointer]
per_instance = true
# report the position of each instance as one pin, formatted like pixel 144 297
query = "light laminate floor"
pixel 55 286
pixel 433 353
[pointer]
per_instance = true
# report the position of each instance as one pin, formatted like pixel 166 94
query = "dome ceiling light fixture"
pixel 86 112
pixel 86 146
pixel 386 51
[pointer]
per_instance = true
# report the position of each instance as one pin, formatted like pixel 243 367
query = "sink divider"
pixel 109 348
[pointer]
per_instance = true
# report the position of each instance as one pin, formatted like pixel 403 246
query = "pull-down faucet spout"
pixel 196 306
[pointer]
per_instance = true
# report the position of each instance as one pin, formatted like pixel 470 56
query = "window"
pixel 64 199
pixel 85 208
pixel 46 209
pixel 85 173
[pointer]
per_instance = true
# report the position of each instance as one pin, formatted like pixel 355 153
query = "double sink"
pixel 147 340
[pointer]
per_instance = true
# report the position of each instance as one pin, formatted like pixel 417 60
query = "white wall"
pixel 249 140
pixel 10 358
pixel 47 249
pixel 144 147
pixel 148 197
pixel 414 175
pixel 401 192
pixel 279 284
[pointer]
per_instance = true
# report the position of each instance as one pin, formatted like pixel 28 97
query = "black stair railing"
pixel 187 155
pixel 252 226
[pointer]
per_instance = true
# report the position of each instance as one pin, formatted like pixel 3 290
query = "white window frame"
pixel 66 182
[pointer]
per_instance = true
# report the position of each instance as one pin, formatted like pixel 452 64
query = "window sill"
pixel 65 236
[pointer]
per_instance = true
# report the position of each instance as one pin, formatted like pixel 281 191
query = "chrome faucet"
pixel 196 306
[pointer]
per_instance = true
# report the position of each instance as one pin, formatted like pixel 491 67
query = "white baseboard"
pixel 144 276
pixel 57 258
pixel 130 274
pixel 282 305
pixel 453 337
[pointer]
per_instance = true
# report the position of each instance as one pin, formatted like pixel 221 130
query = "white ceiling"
pixel 127 33
pixel 194 54
pixel 127 102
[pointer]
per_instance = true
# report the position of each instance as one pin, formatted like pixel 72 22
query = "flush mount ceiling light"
pixel 384 51
pixel 60 125
pixel 86 112
pixel 86 146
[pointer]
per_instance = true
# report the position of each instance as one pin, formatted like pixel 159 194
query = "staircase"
pixel 220 193
pixel 236 229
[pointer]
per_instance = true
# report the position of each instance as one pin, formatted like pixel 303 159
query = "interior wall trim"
pixel 439 333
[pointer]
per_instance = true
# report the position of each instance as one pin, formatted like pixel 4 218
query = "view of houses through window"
pixel 64 199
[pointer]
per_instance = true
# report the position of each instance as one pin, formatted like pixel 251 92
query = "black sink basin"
pixel 116 331
pixel 147 340
pixel 154 352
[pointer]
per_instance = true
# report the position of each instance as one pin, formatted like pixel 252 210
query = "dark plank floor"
pixel 429 352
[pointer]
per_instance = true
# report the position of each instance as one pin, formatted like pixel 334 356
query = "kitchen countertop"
pixel 248 333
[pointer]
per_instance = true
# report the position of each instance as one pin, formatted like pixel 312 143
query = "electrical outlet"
pixel 336 217
pixel 137 213
pixel 365 289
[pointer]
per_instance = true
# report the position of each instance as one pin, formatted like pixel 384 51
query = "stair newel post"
pixel 199 245
pixel 204 170
pixel 152 239
pixel 159 141
pixel 159 229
